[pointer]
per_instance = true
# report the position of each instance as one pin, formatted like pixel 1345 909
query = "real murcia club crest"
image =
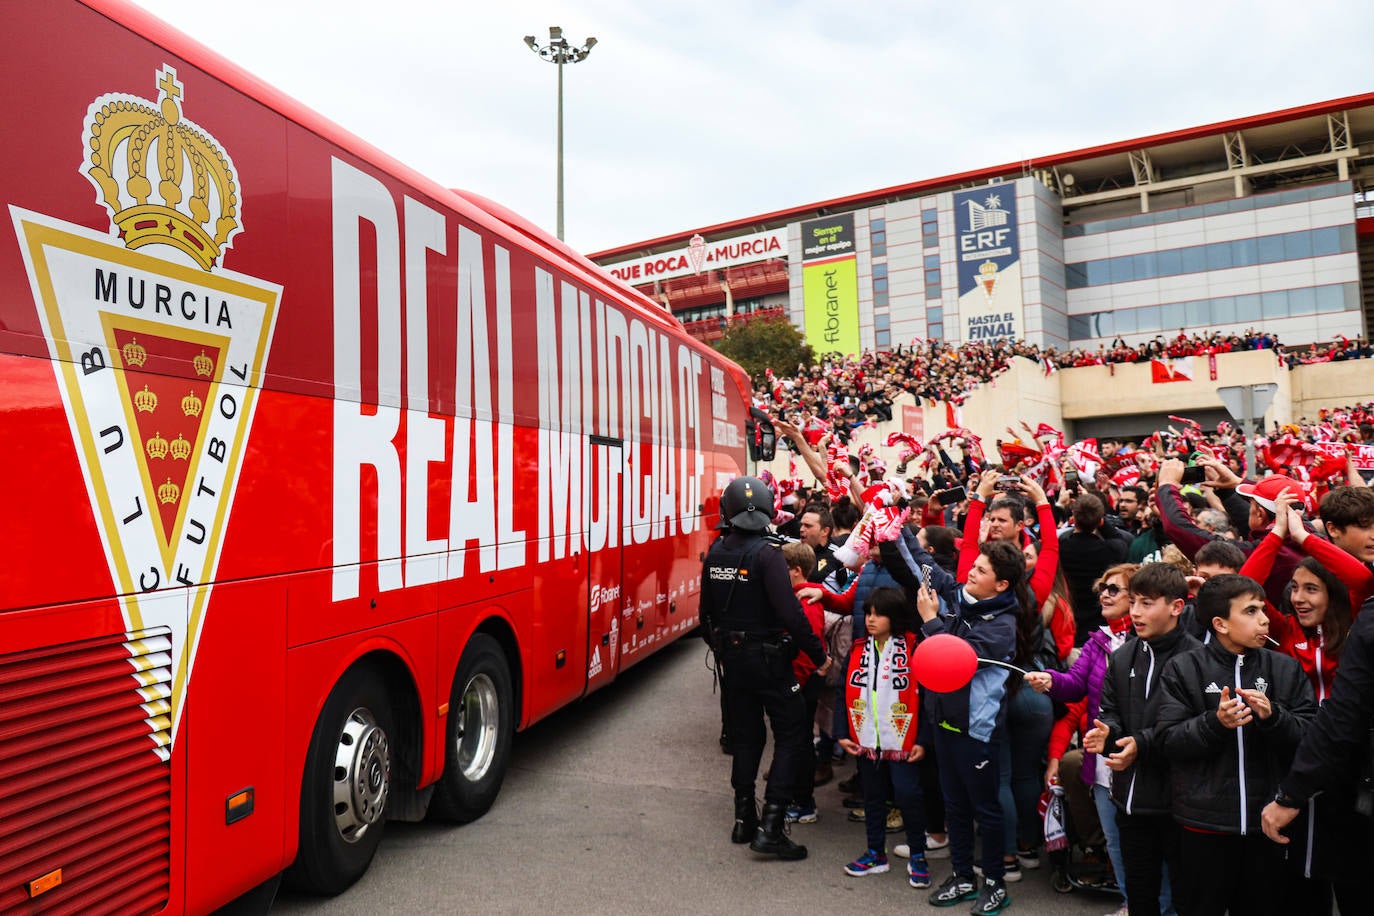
pixel 858 715
pixel 987 279
pixel 159 353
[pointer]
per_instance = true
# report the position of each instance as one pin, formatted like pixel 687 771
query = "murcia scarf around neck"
pixel 882 698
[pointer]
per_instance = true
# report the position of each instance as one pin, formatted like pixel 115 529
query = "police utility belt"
pixel 769 643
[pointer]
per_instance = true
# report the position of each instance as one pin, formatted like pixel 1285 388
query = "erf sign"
pixel 699 255
pixel 988 262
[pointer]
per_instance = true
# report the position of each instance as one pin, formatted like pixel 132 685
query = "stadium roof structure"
pixel 1300 145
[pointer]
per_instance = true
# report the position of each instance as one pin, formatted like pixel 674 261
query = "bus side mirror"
pixel 763 438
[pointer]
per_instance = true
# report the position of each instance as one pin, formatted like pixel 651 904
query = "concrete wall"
pixel 1331 385
pixel 1126 388
pixel 1023 392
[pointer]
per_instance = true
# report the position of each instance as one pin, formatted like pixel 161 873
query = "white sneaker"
pixel 937 849
pixel 934 850
pixel 1011 876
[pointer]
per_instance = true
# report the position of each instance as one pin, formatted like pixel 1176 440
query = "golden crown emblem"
pixel 180 448
pixel 134 354
pixel 987 269
pixel 175 183
pixel 203 365
pixel 168 492
pixel 192 405
pixel 899 709
pixel 145 400
pixel 156 446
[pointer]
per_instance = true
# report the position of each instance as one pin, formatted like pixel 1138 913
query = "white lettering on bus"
pixel 599 372
pixel 363 438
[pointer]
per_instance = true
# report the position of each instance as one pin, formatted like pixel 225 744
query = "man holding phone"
pixel 1257 517
pixel 1006 521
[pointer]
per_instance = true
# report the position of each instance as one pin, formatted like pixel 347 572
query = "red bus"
pixel 320 481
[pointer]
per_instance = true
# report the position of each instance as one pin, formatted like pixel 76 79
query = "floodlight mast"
pixel 559 52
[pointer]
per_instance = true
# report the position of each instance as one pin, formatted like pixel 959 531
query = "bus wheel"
pixel 347 778
pixel 481 721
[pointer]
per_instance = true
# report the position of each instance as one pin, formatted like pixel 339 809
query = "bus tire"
pixel 346 785
pixel 481 723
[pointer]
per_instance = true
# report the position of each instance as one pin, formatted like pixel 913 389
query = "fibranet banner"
pixel 989 263
pixel 830 284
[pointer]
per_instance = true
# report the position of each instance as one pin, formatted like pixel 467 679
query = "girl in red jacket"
pixel 1321 600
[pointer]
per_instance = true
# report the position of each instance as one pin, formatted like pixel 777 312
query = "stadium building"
pixel 1256 222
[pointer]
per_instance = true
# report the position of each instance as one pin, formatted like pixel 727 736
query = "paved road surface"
pixel 622 804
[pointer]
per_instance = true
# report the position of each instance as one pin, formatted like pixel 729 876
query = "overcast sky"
pixel 689 114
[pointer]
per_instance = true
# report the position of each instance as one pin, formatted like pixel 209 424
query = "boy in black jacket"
pixel 1232 716
pixel 1127 727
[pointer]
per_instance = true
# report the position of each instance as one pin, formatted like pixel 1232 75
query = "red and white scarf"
pixel 882 698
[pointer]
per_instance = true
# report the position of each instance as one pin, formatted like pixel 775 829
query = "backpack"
pixel 839 640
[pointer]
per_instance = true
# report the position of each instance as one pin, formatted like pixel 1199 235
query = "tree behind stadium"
pixel 760 343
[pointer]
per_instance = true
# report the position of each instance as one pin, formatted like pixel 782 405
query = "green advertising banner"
pixel 831 290
pixel 830 285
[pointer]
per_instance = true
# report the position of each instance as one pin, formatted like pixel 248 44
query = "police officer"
pixel 752 620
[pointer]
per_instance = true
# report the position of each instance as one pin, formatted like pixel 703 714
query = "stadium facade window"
pixel 1251 308
pixel 882 322
pixel 883 339
pixel 930 228
pixel 879 278
pixel 935 331
pixel 1216 208
pixel 1269 249
pixel 877 237
pixel 880 300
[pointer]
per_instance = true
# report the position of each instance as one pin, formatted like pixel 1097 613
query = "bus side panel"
pixel 313 670
pixel 234 732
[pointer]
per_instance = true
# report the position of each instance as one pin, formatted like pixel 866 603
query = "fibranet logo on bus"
pixel 161 351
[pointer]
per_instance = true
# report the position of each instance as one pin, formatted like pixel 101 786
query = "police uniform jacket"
pixel 746 589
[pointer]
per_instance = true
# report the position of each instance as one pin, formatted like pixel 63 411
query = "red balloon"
pixel 944 663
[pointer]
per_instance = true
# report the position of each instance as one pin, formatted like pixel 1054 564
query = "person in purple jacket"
pixel 1084 679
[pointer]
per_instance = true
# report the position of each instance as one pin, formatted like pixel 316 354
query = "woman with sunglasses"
pixel 1084 679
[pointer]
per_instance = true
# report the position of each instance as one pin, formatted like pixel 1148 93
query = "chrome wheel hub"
pixel 475 731
pixel 362 775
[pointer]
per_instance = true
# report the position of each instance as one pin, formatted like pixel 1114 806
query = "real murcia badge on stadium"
pixel 987 279
pixel 159 353
pixel 696 252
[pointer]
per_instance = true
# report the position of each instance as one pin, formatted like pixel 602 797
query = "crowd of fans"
pixel 848 392
pixel 1151 569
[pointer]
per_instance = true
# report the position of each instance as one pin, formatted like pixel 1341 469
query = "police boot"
pixel 771 838
pixel 746 819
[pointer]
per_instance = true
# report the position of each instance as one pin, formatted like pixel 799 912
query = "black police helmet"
pixel 747 504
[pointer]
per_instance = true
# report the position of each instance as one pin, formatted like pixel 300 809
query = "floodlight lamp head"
pixel 555 32
pixel 591 43
pixel 529 40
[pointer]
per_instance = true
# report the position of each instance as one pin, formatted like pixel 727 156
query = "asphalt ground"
pixel 621 804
